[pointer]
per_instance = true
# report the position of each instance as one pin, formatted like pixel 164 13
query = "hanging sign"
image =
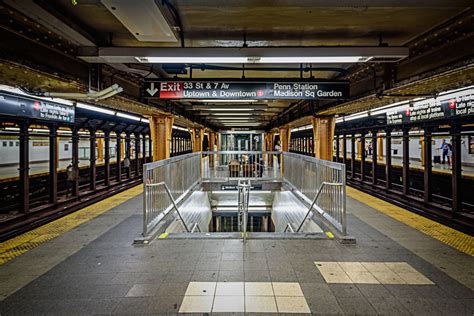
pixel 11 104
pixel 450 105
pixel 246 90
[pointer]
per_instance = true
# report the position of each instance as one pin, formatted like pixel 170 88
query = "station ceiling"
pixel 262 23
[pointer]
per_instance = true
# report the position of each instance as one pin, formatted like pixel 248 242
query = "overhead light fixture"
pixel 233 109
pixel 245 55
pixel 227 114
pixel 231 118
pixel 144 120
pixel 128 116
pixel 180 128
pixel 94 108
pixel 253 60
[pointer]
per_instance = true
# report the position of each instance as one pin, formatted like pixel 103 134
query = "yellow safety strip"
pixel 164 235
pixel 330 235
pixel 456 239
pixel 18 245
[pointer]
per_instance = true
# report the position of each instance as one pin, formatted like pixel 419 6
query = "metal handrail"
pixel 314 201
pixel 172 200
pixel 195 226
pixel 288 226
pixel 243 205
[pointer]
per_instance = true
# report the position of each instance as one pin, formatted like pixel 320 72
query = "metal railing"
pixel 310 208
pixel 233 165
pixel 243 206
pixel 318 181
pixel 179 174
pixel 321 183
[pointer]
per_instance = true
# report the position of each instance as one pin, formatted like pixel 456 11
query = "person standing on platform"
pixel 126 165
pixel 278 149
pixel 71 178
pixel 444 149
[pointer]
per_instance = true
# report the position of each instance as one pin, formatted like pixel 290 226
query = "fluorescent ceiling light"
pixel 130 117
pixel 231 118
pixel 315 60
pixel 227 114
pixel 193 60
pixel 144 120
pixel 356 116
pixel 252 60
pixel 94 108
pixel 180 128
pixel 245 55
pixel 234 109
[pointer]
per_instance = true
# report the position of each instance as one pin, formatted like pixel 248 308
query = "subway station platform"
pixel 86 263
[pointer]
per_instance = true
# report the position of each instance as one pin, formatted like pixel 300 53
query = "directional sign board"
pixel 246 90
pixel 455 104
pixel 15 105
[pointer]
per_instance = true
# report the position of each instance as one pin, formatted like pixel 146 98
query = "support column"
pixel 353 156
pixel 456 164
pixel 374 157
pixel 284 143
pixel 92 169
pixel 427 163
pixel 406 161
pixel 107 158
pixel 380 148
pixel 212 140
pixel 144 149
pixel 284 138
pixel 344 149
pixel 197 135
pixel 323 134
pixel 150 149
pixel 75 161
pixel 118 164
pixel 24 168
pixel 269 147
pixel 137 154
pixel 53 158
pixel 161 128
pixel 362 156
pixel 128 149
pixel 388 159
pixel 100 149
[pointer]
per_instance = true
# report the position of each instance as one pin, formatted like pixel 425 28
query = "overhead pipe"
pixel 99 95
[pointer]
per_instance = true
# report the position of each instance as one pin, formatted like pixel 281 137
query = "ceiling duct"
pixel 143 19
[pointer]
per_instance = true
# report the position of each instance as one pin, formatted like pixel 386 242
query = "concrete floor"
pixel 95 269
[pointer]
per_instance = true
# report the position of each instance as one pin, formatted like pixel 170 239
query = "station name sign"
pixel 35 108
pixel 246 90
pixel 455 104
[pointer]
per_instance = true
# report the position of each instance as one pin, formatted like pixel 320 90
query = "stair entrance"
pixel 305 200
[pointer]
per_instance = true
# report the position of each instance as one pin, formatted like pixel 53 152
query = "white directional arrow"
pixel 152 90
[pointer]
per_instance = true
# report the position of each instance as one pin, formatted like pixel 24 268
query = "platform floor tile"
pixel 239 297
pixel 371 273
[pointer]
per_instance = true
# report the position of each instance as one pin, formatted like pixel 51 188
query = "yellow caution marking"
pixel 18 245
pixel 164 235
pixel 456 239
pixel 330 235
